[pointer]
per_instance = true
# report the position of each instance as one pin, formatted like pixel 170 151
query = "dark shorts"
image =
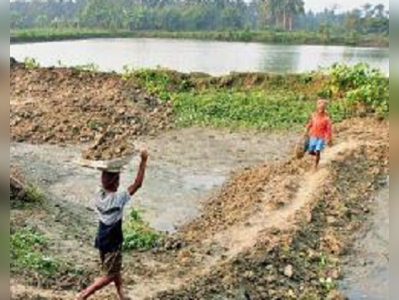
pixel 111 263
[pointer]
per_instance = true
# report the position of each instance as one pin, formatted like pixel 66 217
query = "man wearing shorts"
pixel 319 130
pixel 110 205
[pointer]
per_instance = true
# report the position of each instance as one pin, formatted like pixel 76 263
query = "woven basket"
pixel 301 147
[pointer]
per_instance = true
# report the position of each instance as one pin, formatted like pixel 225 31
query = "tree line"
pixel 196 15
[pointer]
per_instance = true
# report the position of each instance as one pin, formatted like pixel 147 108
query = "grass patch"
pixel 138 235
pixel 31 259
pixel 34 194
pixel 25 197
pixel 28 253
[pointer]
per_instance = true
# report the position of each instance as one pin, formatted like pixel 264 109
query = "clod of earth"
pixel 108 147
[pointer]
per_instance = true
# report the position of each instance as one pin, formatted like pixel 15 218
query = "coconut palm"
pixel 294 8
pixel 379 10
pixel 283 12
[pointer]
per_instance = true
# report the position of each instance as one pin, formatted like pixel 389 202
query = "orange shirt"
pixel 320 126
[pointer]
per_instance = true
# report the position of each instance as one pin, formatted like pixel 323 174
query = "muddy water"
pixel 216 58
pixel 368 273
pixel 185 167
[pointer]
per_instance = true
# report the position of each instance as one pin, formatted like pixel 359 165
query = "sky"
pixel 319 5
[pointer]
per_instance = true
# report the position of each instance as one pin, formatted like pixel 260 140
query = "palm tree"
pixel 294 8
pixel 283 12
pixel 368 10
pixel 271 9
pixel 379 10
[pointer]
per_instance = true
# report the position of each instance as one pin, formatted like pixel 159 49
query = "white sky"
pixel 319 5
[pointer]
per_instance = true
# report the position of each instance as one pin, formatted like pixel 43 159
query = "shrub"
pixel 360 84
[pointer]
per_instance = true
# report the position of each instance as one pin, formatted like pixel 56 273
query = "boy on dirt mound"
pixel 319 131
pixel 110 205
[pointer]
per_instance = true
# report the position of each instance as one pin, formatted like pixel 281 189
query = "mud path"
pixel 244 236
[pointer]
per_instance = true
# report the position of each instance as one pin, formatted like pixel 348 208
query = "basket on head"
pixel 113 166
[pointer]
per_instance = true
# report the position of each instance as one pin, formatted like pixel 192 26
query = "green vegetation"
pixel 271 21
pixel 138 235
pixel 360 85
pixel 31 63
pixel 259 36
pixel 54 34
pixel 262 101
pixel 25 196
pixel 155 82
pixel 90 68
pixel 267 101
pixel 34 194
pixel 27 249
pixel 31 258
pixel 255 109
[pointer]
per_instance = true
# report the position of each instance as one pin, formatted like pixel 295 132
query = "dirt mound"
pixel 66 106
pixel 243 196
pixel 247 191
pixel 295 258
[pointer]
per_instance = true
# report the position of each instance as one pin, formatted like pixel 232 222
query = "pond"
pixel 215 58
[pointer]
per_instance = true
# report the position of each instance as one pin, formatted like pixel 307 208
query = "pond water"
pixel 215 58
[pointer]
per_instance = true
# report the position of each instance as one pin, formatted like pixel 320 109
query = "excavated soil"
pixel 265 234
pixel 273 231
pixel 65 106
pixel 273 252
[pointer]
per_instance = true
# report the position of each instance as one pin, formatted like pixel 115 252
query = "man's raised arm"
pixel 140 175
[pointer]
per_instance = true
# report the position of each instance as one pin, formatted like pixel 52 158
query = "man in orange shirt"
pixel 319 130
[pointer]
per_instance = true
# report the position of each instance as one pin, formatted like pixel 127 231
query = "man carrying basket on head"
pixel 110 205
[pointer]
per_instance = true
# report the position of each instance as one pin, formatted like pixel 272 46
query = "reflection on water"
pixel 368 274
pixel 215 58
